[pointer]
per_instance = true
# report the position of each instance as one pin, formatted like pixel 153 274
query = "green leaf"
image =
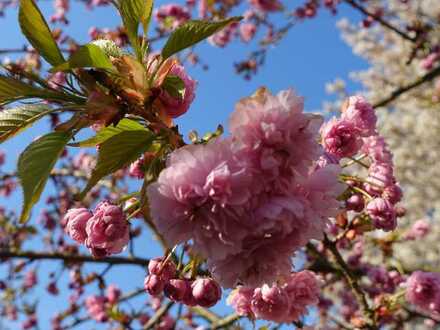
pixel 34 167
pixel 117 152
pixel 14 120
pixel 135 13
pixel 191 33
pixel 175 86
pixel 88 56
pixel 13 90
pixel 35 28
pixel 107 132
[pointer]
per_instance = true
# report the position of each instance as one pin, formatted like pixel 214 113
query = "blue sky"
pixel 311 55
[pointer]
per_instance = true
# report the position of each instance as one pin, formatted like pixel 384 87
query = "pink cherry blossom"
pixel 206 292
pixel 270 303
pixel 361 114
pixel 107 231
pixel 76 221
pixel 382 214
pixel 423 290
pixel 341 138
pixel 96 307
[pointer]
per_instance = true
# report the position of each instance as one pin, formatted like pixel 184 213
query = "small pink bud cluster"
pixel 204 292
pixel 423 290
pixel 104 232
pixel 98 306
pixel 355 132
pixel 278 303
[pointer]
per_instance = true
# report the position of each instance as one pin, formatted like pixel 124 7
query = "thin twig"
pixel 380 20
pixel 352 281
pixel 401 90
pixel 155 319
pixel 72 258
pixel 225 322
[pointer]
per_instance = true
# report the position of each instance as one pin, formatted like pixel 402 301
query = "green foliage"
pixel 34 167
pixel 191 33
pixel 135 13
pixel 117 152
pixel 14 120
pixel 174 86
pixel 35 28
pixel 107 132
pixel 88 56
pixel 12 90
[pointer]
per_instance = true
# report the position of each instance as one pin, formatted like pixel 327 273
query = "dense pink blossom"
pixel 275 133
pixel 376 148
pixel 107 231
pixel 423 290
pixel 393 193
pixel 76 221
pixel 382 214
pixel 96 308
pixel 303 290
pixel 206 292
pixel 240 299
pixel 341 138
pixel 361 114
pixel 250 201
pixel 270 303
pixel 175 107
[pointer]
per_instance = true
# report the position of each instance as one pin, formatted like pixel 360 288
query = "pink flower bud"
pixel 355 203
pixel 419 229
pixel 52 288
pixel 392 193
pixel 76 221
pixel 165 270
pixel 176 289
pixel 113 294
pixel 154 284
pixel 206 292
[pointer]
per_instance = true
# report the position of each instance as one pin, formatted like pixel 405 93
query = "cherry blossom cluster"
pixel 353 133
pixel 204 292
pixel 281 303
pixel 248 202
pixel 105 231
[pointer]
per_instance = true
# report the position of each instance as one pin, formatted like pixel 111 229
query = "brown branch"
pixel 353 283
pixel 155 319
pixel 380 20
pixel 394 95
pixel 225 322
pixel 71 258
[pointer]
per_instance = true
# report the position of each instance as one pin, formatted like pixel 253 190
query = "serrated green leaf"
pixel 34 167
pixel 174 86
pixel 135 13
pixel 35 28
pixel 14 120
pixel 117 152
pixel 191 33
pixel 107 132
pixel 12 90
pixel 88 56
